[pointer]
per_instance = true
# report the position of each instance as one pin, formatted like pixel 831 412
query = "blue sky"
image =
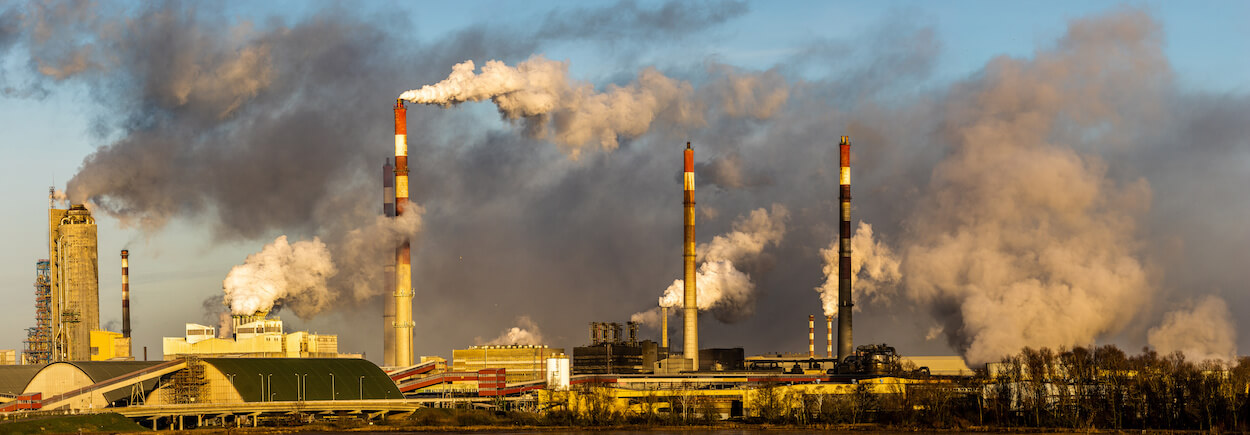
pixel 46 139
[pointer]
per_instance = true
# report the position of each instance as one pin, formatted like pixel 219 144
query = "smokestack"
pixel 125 293
pixel 388 188
pixel 691 339
pixel 844 251
pixel 664 327
pixel 829 336
pixel 811 336
pixel 403 270
pixel 388 269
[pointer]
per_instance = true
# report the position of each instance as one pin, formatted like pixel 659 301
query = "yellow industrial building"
pixel 254 336
pixel 522 363
pixel 109 346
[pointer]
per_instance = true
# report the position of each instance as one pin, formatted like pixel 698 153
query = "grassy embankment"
pixel 111 423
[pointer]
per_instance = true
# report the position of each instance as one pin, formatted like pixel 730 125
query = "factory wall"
pixel 253 338
pixel 108 345
pixel 522 362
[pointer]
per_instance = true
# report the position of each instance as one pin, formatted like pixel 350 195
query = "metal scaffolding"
pixel 189 385
pixel 39 338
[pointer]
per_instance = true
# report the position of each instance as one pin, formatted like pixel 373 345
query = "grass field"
pixel 72 424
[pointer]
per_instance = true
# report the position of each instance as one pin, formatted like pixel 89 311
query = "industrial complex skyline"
pixel 1025 175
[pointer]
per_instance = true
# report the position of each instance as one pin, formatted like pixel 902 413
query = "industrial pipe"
pixel 844 251
pixel 403 270
pixel 388 269
pixel 811 336
pixel 829 336
pixel 691 338
pixel 664 327
pixel 125 293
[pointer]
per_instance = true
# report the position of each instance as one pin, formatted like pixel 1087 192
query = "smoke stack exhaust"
pixel 811 336
pixel 664 327
pixel 388 269
pixel 691 339
pixel 403 270
pixel 829 336
pixel 125 293
pixel 844 251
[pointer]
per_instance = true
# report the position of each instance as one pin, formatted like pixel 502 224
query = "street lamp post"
pixel 362 388
pixel 333 394
pixel 269 386
pixel 262 387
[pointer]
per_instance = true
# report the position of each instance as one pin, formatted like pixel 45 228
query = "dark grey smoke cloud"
pixel 512 227
pixel 627 21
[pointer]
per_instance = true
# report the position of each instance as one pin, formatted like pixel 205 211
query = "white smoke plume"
pixel 651 317
pixel 310 276
pixel 359 252
pixel 525 332
pixel 1203 331
pixel 295 273
pixel 720 284
pixel 874 271
pixel 1023 239
pixel 568 112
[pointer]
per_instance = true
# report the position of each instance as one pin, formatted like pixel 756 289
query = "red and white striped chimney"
pixel 388 269
pixel 403 269
pixel 126 293
pixel 811 336
pixel 829 336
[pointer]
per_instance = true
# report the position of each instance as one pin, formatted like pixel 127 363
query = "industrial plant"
pixel 250 371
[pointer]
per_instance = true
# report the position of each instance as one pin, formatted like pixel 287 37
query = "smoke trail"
pixel 567 112
pixel 724 289
pixel 874 271
pixel 1203 331
pixel 526 332
pixel 295 273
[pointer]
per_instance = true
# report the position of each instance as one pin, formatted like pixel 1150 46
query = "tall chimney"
pixel 811 336
pixel 829 336
pixel 125 293
pixel 691 338
pixel 403 269
pixel 664 327
pixel 844 251
pixel 388 269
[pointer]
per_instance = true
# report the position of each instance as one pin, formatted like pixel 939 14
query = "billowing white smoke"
pixel 874 271
pixel 720 284
pixel 1204 331
pixel 360 251
pixel 1023 239
pixel 525 332
pixel 568 112
pixel 310 276
pixel 295 273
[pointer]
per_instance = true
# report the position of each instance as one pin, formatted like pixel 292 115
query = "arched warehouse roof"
pixel 288 379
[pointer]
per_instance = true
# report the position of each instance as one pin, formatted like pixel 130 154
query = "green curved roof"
pixel 352 378
pixel 100 371
pixel 14 378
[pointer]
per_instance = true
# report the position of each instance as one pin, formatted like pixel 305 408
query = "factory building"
pixel 254 336
pixel 611 351
pixel 84 385
pixel 522 363
pixel 74 282
pixel 109 346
